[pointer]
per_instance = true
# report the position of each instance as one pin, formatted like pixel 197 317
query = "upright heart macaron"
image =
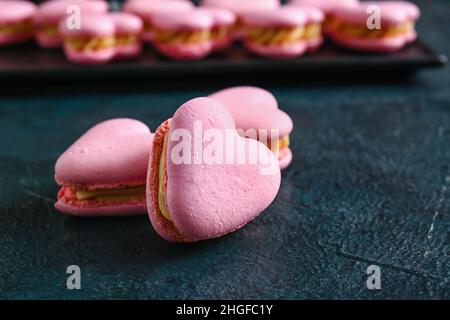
pixel 104 172
pixel 197 189
pixel 16 21
pixel 183 35
pixel 256 109
pixel 50 14
pixel 376 26
pixel 278 33
pixel 146 9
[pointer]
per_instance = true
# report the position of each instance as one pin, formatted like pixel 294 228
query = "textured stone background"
pixel 370 185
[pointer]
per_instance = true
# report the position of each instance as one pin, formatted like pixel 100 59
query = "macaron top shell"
pixel 13 11
pixel 91 26
pixel 221 17
pixel 389 15
pixel 242 6
pixel 313 14
pixel 254 108
pixel 52 11
pixel 191 20
pixel 327 6
pixel 113 151
pixel 126 22
pixel 146 8
pixel 286 16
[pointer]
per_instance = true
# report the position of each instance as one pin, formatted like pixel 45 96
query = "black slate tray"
pixel 29 62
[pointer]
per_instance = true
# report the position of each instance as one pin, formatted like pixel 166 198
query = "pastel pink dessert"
pixel 104 172
pixel 313 26
pixel 255 109
pixel 328 7
pixel 16 21
pixel 201 200
pixel 241 7
pixel 93 43
pixel 278 33
pixel 145 9
pixel 128 28
pixel 50 14
pixel 222 31
pixel 183 35
pixel 397 20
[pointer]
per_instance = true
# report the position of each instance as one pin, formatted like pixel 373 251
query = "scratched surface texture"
pixel 370 184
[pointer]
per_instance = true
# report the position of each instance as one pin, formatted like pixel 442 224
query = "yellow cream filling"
pixel 312 31
pixel 92 44
pixel 277 145
pixel 162 182
pixel 360 31
pixel 123 40
pixel 275 36
pixel 16 28
pixel 111 194
pixel 220 33
pixel 184 37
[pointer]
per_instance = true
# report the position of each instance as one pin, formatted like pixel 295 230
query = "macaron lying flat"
pixel 16 21
pixel 240 7
pixel 257 109
pixel 397 19
pixel 50 14
pixel 222 31
pixel 328 7
pixel 183 35
pixel 277 33
pixel 191 201
pixel 145 9
pixel 93 43
pixel 104 172
pixel 128 28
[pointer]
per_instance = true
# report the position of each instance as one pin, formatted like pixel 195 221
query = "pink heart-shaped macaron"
pixel 104 171
pixel 206 199
pixel 256 108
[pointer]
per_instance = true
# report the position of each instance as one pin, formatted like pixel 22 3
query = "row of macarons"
pixel 119 167
pixel 179 30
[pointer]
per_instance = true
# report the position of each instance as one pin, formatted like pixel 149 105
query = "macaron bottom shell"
pixel 185 51
pixel 284 51
pixel 382 45
pixel 89 57
pixel 46 41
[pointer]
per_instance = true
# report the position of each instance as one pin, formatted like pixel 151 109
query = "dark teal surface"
pixel 370 184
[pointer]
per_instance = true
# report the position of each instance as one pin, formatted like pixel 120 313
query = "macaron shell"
pixel 89 57
pixel 220 16
pixel 285 16
pixel 123 209
pixel 410 8
pixel 179 20
pixel 207 201
pixel 126 23
pixel 90 26
pixel 278 52
pixel 114 151
pixel 389 15
pixel 285 158
pixel 15 11
pixel 54 10
pixel 240 7
pixel 386 45
pixel 327 6
pixel 312 14
pixel 146 8
pixel 254 108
